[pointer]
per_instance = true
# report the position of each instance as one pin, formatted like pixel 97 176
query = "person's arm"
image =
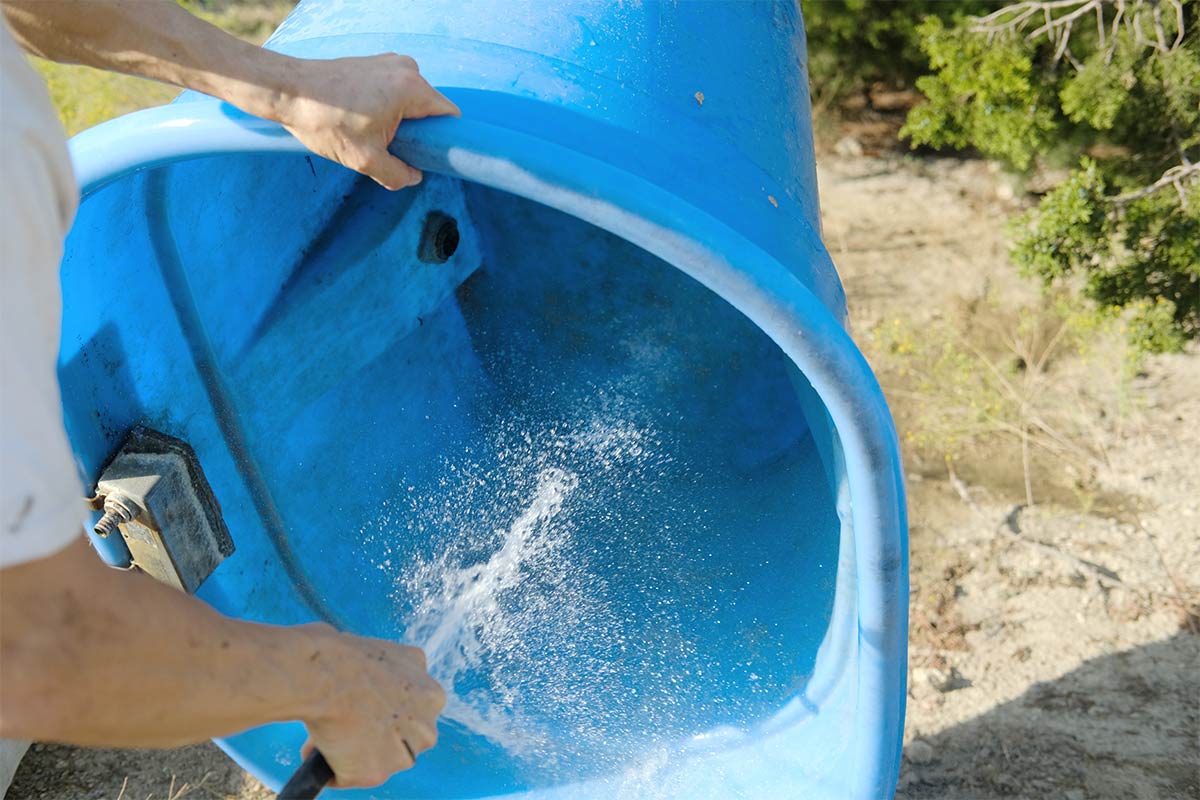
pixel 92 656
pixel 344 109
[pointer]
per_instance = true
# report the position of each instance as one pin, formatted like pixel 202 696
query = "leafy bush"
pixel 1113 87
pixel 852 43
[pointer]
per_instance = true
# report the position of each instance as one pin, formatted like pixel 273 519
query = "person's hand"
pixel 379 707
pixel 348 110
pixel 344 109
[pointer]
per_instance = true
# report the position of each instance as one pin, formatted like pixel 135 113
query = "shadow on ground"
pixel 1100 734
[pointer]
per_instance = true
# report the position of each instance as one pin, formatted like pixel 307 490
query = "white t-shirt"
pixel 41 501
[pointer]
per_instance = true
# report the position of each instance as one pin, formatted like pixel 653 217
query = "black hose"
pixel 308 781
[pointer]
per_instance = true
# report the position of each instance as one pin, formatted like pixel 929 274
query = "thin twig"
pixel 1025 468
pixel 1118 16
pixel 183 789
pixel 1063 38
pixel 1190 610
pixel 1176 176
pixel 1024 401
pixel 1064 20
pixel 1178 24
pixel 1049 348
pixel 1059 16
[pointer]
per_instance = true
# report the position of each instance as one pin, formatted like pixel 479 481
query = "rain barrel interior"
pixel 454 417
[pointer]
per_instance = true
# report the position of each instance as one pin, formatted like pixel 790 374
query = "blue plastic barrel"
pixel 580 414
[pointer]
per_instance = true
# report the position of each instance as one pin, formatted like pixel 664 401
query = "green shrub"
pixel 1113 89
pixel 852 43
pixel 983 94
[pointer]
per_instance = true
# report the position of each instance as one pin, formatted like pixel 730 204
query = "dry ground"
pixel 1051 650
pixel 1051 654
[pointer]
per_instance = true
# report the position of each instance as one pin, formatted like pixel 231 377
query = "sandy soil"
pixel 1051 654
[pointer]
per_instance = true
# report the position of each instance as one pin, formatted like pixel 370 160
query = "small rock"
pixel 849 147
pixel 1074 794
pixel 919 751
pixel 942 680
pixel 919 681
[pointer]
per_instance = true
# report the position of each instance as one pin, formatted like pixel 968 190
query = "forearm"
pixel 92 656
pixel 155 39
pixel 345 109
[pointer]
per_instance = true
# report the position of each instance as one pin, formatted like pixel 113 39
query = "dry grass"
pixel 86 97
pixel 1015 399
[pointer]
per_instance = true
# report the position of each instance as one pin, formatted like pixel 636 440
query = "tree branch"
pixel 1176 176
pixel 1015 17
pixel 1061 26
pixel 1059 16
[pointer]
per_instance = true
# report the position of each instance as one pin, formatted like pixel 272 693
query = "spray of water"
pixel 561 578
pixel 510 591
pixel 461 619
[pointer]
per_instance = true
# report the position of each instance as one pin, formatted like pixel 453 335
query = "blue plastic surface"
pixel 631 387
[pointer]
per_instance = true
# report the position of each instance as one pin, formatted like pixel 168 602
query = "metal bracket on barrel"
pixel 155 495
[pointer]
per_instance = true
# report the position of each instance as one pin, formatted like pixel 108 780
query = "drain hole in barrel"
pixel 439 238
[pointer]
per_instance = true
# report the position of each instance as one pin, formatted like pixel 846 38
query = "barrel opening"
pixel 595 491
pixel 439 238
